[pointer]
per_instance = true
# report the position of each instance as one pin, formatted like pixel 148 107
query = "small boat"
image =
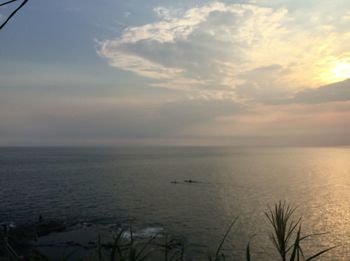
pixel 190 181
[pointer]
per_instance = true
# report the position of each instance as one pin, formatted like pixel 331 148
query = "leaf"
pixel 296 246
pixel 248 252
pixel 225 236
pixel 320 253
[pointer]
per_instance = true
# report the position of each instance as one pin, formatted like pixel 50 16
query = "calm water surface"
pixel 114 184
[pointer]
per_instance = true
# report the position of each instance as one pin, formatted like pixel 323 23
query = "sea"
pixel 146 186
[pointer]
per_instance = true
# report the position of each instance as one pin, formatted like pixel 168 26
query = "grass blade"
pixel 224 238
pixel 320 253
pixel 248 252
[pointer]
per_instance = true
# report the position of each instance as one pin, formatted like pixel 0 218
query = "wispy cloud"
pixel 137 64
pixel 215 47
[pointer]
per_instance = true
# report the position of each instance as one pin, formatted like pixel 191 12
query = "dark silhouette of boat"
pixel 190 181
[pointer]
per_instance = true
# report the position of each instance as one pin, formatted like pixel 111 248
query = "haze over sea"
pixel 110 185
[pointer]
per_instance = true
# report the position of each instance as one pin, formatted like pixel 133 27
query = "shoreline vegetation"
pixel 124 245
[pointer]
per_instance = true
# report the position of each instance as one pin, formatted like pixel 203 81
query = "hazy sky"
pixel 109 72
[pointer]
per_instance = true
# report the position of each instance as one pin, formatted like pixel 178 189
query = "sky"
pixel 187 72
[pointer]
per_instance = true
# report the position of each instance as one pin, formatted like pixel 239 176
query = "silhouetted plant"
pixel 218 254
pixel 285 229
pixel 286 237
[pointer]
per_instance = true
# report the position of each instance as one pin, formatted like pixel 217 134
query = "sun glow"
pixel 335 71
pixel 342 70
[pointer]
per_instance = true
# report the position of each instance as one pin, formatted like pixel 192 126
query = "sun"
pixel 342 70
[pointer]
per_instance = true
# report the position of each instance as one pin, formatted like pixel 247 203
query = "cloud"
pixel 339 91
pixel 40 116
pixel 335 92
pixel 138 65
pixel 250 49
pixel 44 116
pixel 196 48
pixel 165 13
pixel 262 84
